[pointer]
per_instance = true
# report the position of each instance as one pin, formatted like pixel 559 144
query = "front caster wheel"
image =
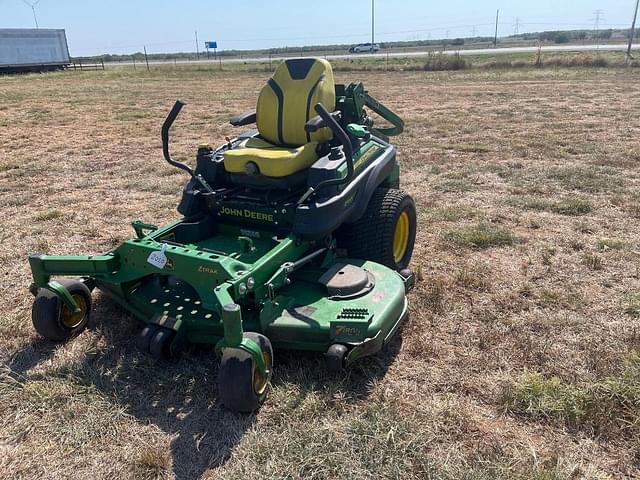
pixel 54 320
pixel 241 386
pixel 159 346
pixel 156 341
pixel 336 356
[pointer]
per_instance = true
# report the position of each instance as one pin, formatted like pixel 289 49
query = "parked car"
pixel 364 47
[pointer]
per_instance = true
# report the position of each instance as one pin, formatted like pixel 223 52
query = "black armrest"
pixel 243 119
pixel 316 123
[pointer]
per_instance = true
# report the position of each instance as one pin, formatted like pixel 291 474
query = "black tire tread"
pixel 335 357
pixel 371 236
pixel 46 311
pixel 235 377
pixel 159 343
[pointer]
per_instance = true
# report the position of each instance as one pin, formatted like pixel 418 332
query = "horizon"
pixel 171 28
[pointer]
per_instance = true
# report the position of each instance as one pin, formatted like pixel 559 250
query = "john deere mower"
pixel 294 235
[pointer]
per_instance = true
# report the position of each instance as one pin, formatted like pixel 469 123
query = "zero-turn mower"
pixel 295 235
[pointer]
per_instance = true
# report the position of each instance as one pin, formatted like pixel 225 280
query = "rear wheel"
pixel 54 320
pixel 386 232
pixel 241 386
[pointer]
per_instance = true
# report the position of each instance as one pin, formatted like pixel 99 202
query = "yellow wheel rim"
pixel 401 237
pixel 71 319
pixel 261 381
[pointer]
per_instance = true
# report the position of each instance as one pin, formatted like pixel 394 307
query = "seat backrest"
pixel 287 102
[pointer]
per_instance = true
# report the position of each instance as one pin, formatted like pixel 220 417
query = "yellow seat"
pixel 273 161
pixel 285 105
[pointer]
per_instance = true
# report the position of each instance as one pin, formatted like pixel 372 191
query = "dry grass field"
pixel 521 359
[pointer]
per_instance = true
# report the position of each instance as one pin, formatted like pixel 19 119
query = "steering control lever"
pixel 326 119
pixel 166 126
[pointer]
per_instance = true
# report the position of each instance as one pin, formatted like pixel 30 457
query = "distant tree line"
pixel 554 36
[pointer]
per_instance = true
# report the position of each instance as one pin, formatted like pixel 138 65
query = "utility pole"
pixel 197 47
pixel 373 27
pixel 633 30
pixel 495 38
pixel 33 9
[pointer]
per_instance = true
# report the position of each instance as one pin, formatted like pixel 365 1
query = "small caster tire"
pixel 159 346
pixel 336 357
pixel 53 320
pixel 241 387
pixel 143 340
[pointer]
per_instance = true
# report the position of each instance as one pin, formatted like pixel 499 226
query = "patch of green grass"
pixel 12 96
pixel 454 185
pixel 610 406
pixel 47 215
pixel 38 114
pixel 451 214
pixel 573 206
pixel 530 203
pixel 605 244
pixel 631 304
pixel 587 178
pixel 482 235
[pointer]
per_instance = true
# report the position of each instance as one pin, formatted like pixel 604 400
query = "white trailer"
pixel 28 49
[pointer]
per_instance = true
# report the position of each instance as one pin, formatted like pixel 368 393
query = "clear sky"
pixel 124 26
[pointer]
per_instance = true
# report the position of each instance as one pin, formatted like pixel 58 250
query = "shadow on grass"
pixel 179 396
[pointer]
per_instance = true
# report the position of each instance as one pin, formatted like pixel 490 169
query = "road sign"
pixel 213 45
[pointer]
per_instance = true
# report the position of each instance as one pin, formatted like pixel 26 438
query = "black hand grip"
pixel 166 126
pixel 340 134
pixel 314 124
pixel 330 121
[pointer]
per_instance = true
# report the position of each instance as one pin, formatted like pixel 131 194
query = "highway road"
pixel 399 54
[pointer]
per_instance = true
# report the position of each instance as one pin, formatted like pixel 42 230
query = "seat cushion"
pixel 273 161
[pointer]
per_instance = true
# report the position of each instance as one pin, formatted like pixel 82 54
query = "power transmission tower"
pixel 473 32
pixel 516 29
pixel 632 31
pixel 599 16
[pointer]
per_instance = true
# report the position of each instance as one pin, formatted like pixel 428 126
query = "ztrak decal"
pixel 203 269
